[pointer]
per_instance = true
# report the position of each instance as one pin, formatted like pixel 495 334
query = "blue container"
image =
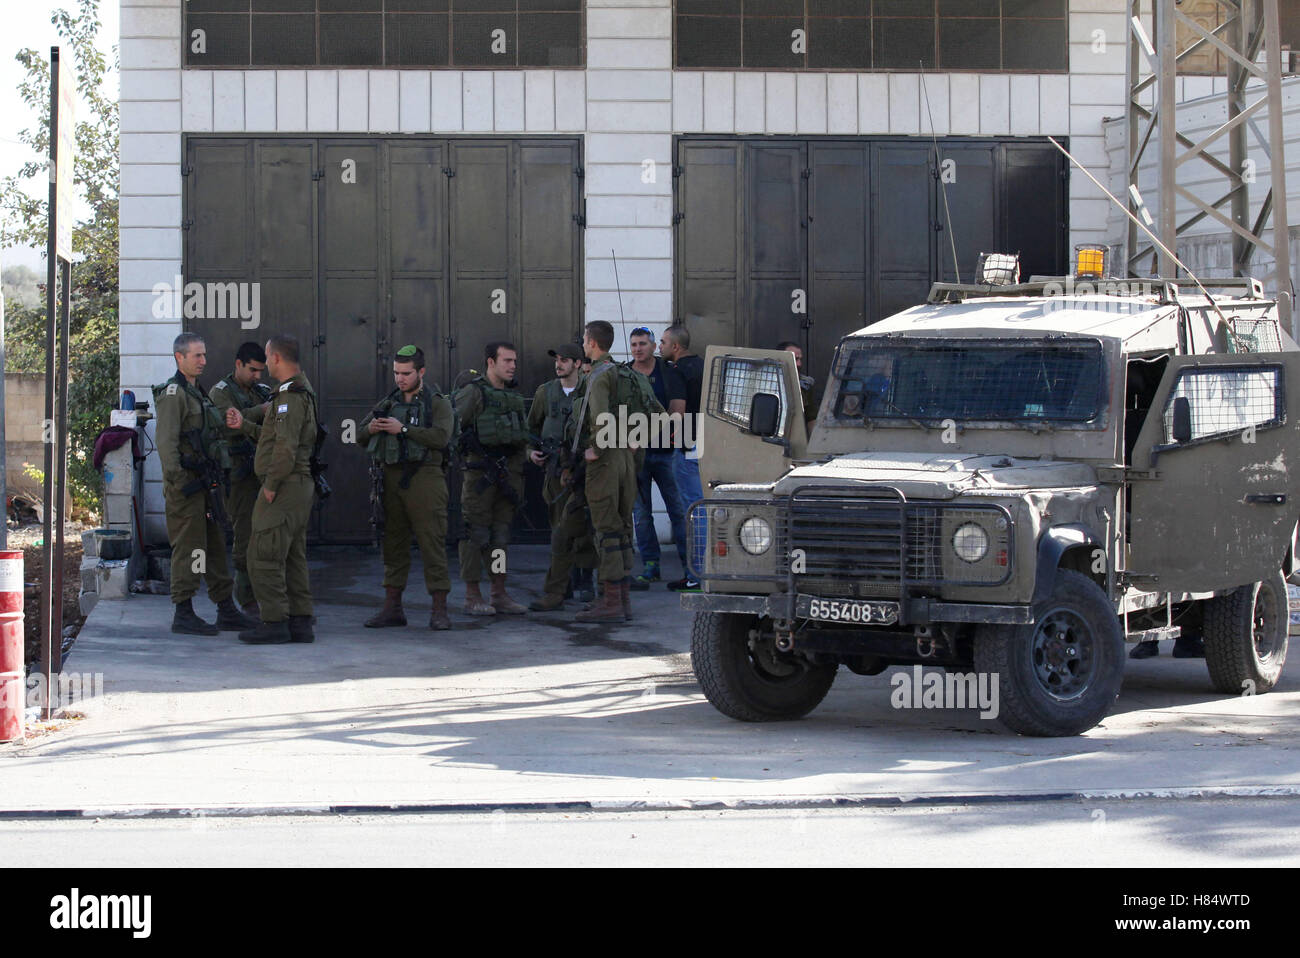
pixel 128 399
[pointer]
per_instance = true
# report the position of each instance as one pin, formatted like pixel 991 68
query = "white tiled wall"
pixel 627 103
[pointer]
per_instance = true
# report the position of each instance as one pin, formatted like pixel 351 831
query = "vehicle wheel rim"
pixel 1264 622
pixel 766 662
pixel 1064 654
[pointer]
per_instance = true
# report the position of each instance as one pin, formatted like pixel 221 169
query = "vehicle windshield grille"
pixel 863 540
pixel 1023 380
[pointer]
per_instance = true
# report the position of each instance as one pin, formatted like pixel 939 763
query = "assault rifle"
pixel 212 480
pixel 493 468
pixel 317 467
pixel 245 449
pixel 377 517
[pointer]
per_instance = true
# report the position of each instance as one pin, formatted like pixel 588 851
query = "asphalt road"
pixel 1162 833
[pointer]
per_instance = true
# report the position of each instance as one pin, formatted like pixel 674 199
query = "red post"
pixel 13 683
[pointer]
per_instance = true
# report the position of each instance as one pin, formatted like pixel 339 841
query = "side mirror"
pixel 764 415
pixel 1182 419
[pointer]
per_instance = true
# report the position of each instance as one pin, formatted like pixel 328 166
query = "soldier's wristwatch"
pixel 404 430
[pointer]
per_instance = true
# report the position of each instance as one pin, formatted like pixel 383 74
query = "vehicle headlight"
pixel 970 542
pixel 755 535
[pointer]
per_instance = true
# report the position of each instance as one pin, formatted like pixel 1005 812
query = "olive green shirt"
pixel 228 394
pixel 601 386
pixel 287 434
pixel 436 435
pixel 180 408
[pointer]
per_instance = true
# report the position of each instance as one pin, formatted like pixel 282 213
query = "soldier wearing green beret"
pixel 410 430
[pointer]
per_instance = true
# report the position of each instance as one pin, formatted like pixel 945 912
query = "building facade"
pixel 454 171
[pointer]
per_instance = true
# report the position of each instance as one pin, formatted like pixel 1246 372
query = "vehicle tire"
pixel 1246 636
pixel 746 678
pixel 1061 675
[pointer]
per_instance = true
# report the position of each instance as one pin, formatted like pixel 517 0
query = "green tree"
pixel 93 374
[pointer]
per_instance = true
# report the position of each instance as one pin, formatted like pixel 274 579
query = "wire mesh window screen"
pixel 1227 401
pixel 1253 336
pixel 735 382
pixel 395 33
pixel 1021 381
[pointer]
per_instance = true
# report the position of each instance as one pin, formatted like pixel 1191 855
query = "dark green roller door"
pixel 363 244
pixel 807 239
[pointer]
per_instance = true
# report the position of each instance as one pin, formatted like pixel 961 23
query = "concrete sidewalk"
pixel 537 709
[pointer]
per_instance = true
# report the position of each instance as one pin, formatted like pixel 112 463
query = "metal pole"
pixel 1277 162
pixel 52 648
pixel 1241 250
pixel 4 462
pixel 1166 102
pixel 61 488
pixel 1134 132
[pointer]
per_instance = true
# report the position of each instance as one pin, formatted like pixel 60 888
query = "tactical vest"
pixel 212 430
pixel 636 393
pixel 631 389
pixel 242 448
pixel 387 448
pixel 501 421
pixel 558 409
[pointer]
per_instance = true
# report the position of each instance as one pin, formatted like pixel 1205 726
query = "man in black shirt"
pixel 675 346
pixel 670 390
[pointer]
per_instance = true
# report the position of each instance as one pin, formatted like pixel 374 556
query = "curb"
pixel 647 805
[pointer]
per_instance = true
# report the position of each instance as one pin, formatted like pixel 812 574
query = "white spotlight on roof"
pixel 998 269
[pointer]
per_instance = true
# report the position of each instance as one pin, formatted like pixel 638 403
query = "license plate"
pixel 856 611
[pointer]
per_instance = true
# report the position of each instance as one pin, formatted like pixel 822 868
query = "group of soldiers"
pixel 267 440
pixel 249 452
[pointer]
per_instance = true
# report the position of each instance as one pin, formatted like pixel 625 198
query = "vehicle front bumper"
pixel 917 611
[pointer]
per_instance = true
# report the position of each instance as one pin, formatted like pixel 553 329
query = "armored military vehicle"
pixel 1012 480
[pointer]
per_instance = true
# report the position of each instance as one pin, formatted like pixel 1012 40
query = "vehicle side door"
pixel 729 450
pixel 1220 509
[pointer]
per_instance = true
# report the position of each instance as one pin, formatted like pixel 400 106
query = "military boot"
pixel 186 622
pixel 300 629
pixel 268 633
pixel 475 604
pixel 608 608
pixel 595 599
pixel 502 602
pixel 438 618
pixel 391 614
pixel 547 603
pixel 230 619
pixel 625 595
pixel 586 585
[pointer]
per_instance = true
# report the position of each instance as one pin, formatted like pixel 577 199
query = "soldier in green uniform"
pixel 571 545
pixel 610 476
pixel 494 438
pixel 189 437
pixel 244 391
pixel 277 552
pixel 410 430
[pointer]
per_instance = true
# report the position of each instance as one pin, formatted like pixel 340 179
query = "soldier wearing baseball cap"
pixel 571 543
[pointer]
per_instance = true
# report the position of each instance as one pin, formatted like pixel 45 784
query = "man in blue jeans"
pixel 670 390
pixel 675 346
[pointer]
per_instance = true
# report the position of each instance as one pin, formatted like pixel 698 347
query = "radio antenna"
pixel 1142 226
pixel 943 187
pixel 619 287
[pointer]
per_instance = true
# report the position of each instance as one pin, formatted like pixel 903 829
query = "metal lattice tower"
pixel 1153 59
